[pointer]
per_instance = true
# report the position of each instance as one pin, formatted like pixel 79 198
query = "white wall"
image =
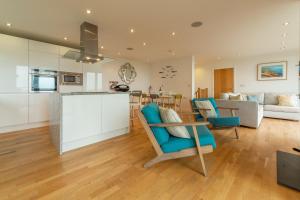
pixel 245 71
pixel 110 73
pixel 182 83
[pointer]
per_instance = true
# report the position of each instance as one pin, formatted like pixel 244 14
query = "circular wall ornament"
pixel 127 73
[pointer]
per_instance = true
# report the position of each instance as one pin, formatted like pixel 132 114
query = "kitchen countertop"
pixel 91 93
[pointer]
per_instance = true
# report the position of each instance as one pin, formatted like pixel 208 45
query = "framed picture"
pixel 272 71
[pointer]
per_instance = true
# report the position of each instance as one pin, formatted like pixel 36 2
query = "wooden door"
pixel 223 81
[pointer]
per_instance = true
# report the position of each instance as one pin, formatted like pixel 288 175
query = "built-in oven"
pixel 71 78
pixel 43 80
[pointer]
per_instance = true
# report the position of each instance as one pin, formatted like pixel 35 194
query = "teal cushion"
pixel 224 121
pixel 152 115
pixel 212 101
pixel 252 98
pixel 176 144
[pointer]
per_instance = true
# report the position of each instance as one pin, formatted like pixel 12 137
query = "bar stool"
pixel 135 103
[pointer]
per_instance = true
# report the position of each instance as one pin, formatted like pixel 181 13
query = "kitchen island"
pixel 82 118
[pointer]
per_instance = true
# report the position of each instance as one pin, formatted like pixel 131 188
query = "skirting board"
pixel 92 139
pixel 9 129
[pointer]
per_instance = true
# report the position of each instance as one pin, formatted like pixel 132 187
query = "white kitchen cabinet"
pixel 13 64
pixel 14 109
pixel 69 65
pixel 43 55
pixel 115 112
pixel 81 116
pixel 43 47
pixel 38 107
pixel 42 60
pixel 92 77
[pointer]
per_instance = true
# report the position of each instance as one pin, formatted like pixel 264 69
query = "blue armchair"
pixel 218 122
pixel 169 147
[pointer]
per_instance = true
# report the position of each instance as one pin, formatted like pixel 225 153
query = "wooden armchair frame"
pixel 161 156
pixel 202 111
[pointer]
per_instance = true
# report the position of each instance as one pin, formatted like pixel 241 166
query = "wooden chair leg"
pixel 152 162
pixel 199 151
pixel 236 132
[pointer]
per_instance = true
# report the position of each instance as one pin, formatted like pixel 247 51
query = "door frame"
pixel 213 77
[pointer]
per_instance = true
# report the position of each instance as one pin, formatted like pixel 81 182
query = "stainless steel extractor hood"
pixel 88 45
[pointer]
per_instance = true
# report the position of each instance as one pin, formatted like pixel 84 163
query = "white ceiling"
pixel 230 27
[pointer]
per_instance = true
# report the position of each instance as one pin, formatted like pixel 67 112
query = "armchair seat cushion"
pixel 224 121
pixel 176 144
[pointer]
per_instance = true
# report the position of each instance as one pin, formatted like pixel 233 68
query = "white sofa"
pixel 252 112
pixel 272 110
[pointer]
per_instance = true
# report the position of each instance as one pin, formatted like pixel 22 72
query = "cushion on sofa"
pixel 259 95
pixel 235 97
pixel 287 100
pixel 287 109
pixel 252 98
pixel 177 144
pixel 169 115
pixel 271 99
pixel 152 116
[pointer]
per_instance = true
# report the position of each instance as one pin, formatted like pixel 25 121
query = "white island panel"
pixel 81 117
pixel 115 112
pixel 85 118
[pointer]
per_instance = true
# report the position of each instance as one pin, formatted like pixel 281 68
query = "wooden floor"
pixel 238 169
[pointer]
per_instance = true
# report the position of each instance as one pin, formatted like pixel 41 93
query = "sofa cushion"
pixel 259 95
pixel 271 99
pixel 168 115
pixel 224 121
pixel 287 100
pixel 252 98
pixel 287 109
pixel 236 98
pixel 152 116
pixel 177 144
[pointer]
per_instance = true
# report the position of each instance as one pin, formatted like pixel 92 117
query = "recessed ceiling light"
pixel 8 24
pixel 65 38
pixel 87 58
pixel 144 44
pixel 102 47
pixel 196 24
pixel 130 48
pixel 98 59
pixel 173 33
pixel 88 11
pixel 100 54
pixel 285 23
pixel 132 30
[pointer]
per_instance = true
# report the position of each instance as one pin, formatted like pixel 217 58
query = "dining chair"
pixel 155 98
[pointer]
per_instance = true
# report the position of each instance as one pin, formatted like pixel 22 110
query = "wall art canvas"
pixel 272 71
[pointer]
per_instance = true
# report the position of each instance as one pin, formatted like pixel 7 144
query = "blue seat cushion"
pixel 224 121
pixel 212 101
pixel 176 144
pixel 152 116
